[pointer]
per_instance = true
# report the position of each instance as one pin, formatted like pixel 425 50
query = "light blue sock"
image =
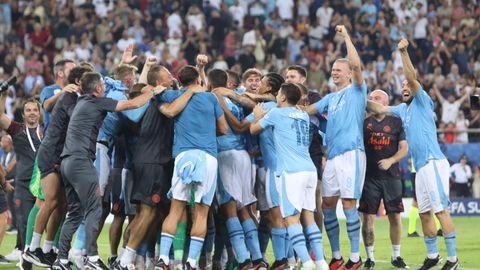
pixel 142 249
pixel 210 237
pixel 278 243
pixel 165 245
pixel 307 242
pixel 451 244
pixel 331 226
pixel 432 248
pixel 81 238
pixel 288 246
pixel 237 238
pixel 196 245
pixel 316 240
pixel 298 242
pixel 263 236
pixel 251 236
pixel 353 229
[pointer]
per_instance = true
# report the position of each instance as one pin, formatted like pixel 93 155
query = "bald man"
pixel 385 145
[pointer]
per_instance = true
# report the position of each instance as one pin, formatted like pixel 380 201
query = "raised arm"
pixel 378 108
pixel 127 56
pixel 202 60
pixel 235 124
pixel 352 56
pixel 410 74
pixel 460 101
pixel 439 95
pixel 170 110
pixel 4 119
pixel 149 63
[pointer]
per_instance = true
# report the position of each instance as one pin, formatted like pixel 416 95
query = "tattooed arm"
pixel 245 102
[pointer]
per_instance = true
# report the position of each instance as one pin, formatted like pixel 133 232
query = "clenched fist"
pixel 341 30
pixel 403 44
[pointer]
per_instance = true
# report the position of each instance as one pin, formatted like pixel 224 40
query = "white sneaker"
pixel 150 264
pixel 14 256
pixel 76 261
pixel 140 262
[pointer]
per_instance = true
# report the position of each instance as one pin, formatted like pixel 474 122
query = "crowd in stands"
pixel 266 34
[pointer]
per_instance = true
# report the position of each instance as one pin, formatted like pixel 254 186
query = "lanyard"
pixel 30 138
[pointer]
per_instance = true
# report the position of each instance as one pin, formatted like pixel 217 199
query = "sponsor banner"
pixel 466 207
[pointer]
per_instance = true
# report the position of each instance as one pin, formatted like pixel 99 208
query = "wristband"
pixel 151 90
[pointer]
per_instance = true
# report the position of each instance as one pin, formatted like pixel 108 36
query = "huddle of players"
pixel 290 181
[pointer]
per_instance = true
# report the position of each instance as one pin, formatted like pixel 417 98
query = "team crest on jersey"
pixel 156 198
pixel 369 126
pixel 386 129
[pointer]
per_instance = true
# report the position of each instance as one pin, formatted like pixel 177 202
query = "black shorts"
pixel 3 201
pixel 317 161
pixel 375 190
pixel 412 178
pixel 118 205
pixel 151 183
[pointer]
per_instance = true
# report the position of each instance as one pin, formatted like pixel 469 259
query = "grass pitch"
pixel 413 250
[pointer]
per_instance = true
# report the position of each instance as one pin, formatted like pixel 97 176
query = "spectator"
pixel 158 30
pixel 277 47
pixel 230 47
pixel 461 58
pixel 315 36
pixel 285 9
pixel 460 174
pixel 154 52
pixel 178 64
pixel 38 36
pixel 5 19
pixel 366 50
pixel 476 182
pixel 273 20
pixel 432 13
pixel 371 10
pixel 217 31
pixel 294 46
pixel 124 41
pixel 136 32
pixel 102 30
pixel 174 22
pixel 260 46
pixel 441 135
pixel 238 13
pixel 304 8
pixel 83 53
pixel 174 43
pixel 462 125
pixel 286 30
pixel 315 75
pixel 247 59
pixel 324 15
pixel 195 19
pixel 458 13
pixel 34 82
pixel 257 10
pixel 450 131
pixel 450 106
pixel 220 63
pixel 453 76
pixel 444 13
pixel 303 58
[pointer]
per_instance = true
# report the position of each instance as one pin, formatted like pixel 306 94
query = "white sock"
pixel 55 249
pixel 292 261
pixel 369 251
pixel 64 261
pixel 193 262
pixel 122 250
pixel 337 255
pixel 77 253
pixel 165 258
pixel 452 259
pixel 395 251
pixel 355 256
pixel 113 256
pixel 321 264
pixel 47 246
pixel 264 256
pixel 84 252
pixel 93 258
pixel 307 265
pixel 432 256
pixel 127 257
pixel 36 238
pixel 27 247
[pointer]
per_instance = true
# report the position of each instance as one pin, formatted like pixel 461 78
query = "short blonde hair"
pixel 249 72
pixel 124 70
pixel 344 60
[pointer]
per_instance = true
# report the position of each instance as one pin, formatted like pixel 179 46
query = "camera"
pixel 475 100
